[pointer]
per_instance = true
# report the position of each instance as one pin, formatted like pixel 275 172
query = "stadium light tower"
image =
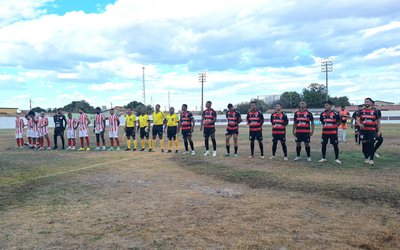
pixel 326 66
pixel 202 79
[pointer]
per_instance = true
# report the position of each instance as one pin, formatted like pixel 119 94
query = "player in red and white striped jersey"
pixel 34 125
pixel 43 131
pixel 99 128
pixel 19 130
pixel 83 123
pixel 71 126
pixel 113 124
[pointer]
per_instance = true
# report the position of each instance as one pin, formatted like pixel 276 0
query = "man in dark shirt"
pixel 60 122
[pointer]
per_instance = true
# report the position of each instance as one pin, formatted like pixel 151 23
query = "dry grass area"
pixel 140 200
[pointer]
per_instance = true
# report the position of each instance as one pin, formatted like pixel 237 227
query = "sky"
pixel 58 51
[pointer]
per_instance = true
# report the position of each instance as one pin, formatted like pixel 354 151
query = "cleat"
pixel 377 156
pixel 371 162
pixel 227 154
pixel 142 149
pixel 128 149
pixel 309 159
pixel 285 158
pixel 103 148
pixel 134 149
pixel 185 153
pixel 111 149
pixel 73 148
pixel 322 160
pixel 97 149
pixel 54 148
pixel 262 157
pixel 193 153
pixel 272 157
pixel 162 150
pixel 87 149
pixel 48 148
pixel 118 149
pixel 150 149
pixel 214 153
pixel 207 153
pixel 235 155
pixel 251 157
pixel 176 151
pixel 366 160
pixel 69 148
pixel 298 158
pixel 169 151
pixel 81 149
pixel 338 161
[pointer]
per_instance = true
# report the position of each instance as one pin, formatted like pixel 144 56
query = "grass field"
pixel 142 200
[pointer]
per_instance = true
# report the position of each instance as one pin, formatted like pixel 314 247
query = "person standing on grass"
pixel 255 120
pixel 43 131
pixel 83 124
pixel 157 129
pixel 279 121
pixel 172 129
pixel 113 124
pixel 344 116
pixel 144 124
pixel 379 139
pixel 234 118
pixel 186 126
pixel 19 130
pixel 208 119
pixel 71 137
pixel 369 121
pixel 330 121
pixel 29 132
pixel 99 129
pixel 303 129
pixel 34 119
pixel 60 122
pixel 130 125
pixel 356 126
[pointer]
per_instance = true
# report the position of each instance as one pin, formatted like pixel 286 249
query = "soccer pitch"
pixel 150 200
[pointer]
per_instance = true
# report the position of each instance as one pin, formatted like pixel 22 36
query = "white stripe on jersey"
pixel 113 122
pixel 19 125
pixel 83 118
pixel 99 122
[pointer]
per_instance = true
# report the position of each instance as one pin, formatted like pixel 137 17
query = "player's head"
pixel 42 114
pixel 171 110
pixel 368 102
pixel 157 107
pixel 98 110
pixel 303 104
pixel 253 105
pixel 184 107
pixel 27 117
pixel 230 107
pixel 360 107
pixel 129 111
pixel 328 105
pixel 111 111
pixel 143 111
pixel 278 107
pixel 69 115
pixel 31 113
pixel 208 104
pixel 59 111
pixel 343 107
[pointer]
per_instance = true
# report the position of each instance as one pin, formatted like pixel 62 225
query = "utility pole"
pixel 144 89
pixel 30 103
pixel 111 105
pixel 326 66
pixel 202 79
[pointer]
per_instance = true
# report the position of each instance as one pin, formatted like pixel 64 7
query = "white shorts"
pixel 98 131
pixel 41 133
pixel 18 135
pixel 113 134
pixel 83 133
pixel 71 134
pixel 33 134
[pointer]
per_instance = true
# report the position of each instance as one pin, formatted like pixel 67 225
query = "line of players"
pixel 366 123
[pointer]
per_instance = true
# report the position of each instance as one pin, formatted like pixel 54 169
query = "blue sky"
pixel 58 51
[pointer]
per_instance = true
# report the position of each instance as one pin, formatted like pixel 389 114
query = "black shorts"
pixel 232 132
pixel 157 130
pixel 59 132
pixel 368 135
pixel 356 129
pixel 171 132
pixel 303 137
pixel 130 132
pixel 208 131
pixel 186 133
pixel 255 135
pixel 279 137
pixel 331 138
pixel 143 133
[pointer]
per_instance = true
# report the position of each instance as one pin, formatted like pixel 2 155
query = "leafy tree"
pixel 340 101
pixel 290 100
pixel 315 95
pixel 244 107
pixel 38 109
pixel 74 107
pixel 138 106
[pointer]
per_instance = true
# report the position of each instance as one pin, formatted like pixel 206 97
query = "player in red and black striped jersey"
pixel 208 119
pixel 186 125
pixel 330 120
pixel 255 120
pixel 234 118
pixel 303 129
pixel 379 139
pixel 279 122
pixel 356 126
pixel 370 128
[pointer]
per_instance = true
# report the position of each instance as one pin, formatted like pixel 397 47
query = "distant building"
pixel 8 111
pixel 269 99
pixel 383 103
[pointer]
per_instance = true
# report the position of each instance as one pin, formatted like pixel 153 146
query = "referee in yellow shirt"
pixel 130 123
pixel 172 129
pixel 157 129
pixel 144 124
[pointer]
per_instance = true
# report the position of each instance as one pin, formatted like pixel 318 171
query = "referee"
pixel 60 122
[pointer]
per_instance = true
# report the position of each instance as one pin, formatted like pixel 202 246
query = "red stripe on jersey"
pixel 303 119
pixel 329 122
pixel 186 120
pixel 209 117
pixel 233 119
pixel 255 120
pixel 279 122
pixel 19 125
pixel 83 118
pixel 113 123
pixel 369 118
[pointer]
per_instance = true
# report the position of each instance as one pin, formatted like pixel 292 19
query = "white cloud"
pixel 109 86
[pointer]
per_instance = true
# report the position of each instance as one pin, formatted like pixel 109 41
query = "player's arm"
pixel 285 119
pixel 378 128
pixel 87 120
pixel 193 121
pixel 271 119
pixel 138 125
pixel 321 119
pixel 312 124
pixel 239 118
pixel 337 118
pixel 359 122
pixel 65 121
pixel 202 121
pixel 294 125
pixel 261 119
pixel 104 123
pixel 118 121
pixel 77 124
pixel 352 119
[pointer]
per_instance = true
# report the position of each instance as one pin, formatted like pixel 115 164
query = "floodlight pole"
pixel 202 79
pixel 144 89
pixel 326 66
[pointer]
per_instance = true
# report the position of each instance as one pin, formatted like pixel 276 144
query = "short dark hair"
pixel 59 109
pixel 329 102
pixel 278 103
pixel 69 113
pixel 230 105
pixel 98 108
pixel 303 100
pixel 369 98
pixel 342 106
pixel 360 106
pixel 112 109
pixel 130 108
pixel 253 102
pixel 184 105
pixel 209 102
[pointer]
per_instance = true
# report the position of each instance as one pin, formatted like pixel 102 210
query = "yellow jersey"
pixel 144 120
pixel 172 120
pixel 158 118
pixel 130 121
